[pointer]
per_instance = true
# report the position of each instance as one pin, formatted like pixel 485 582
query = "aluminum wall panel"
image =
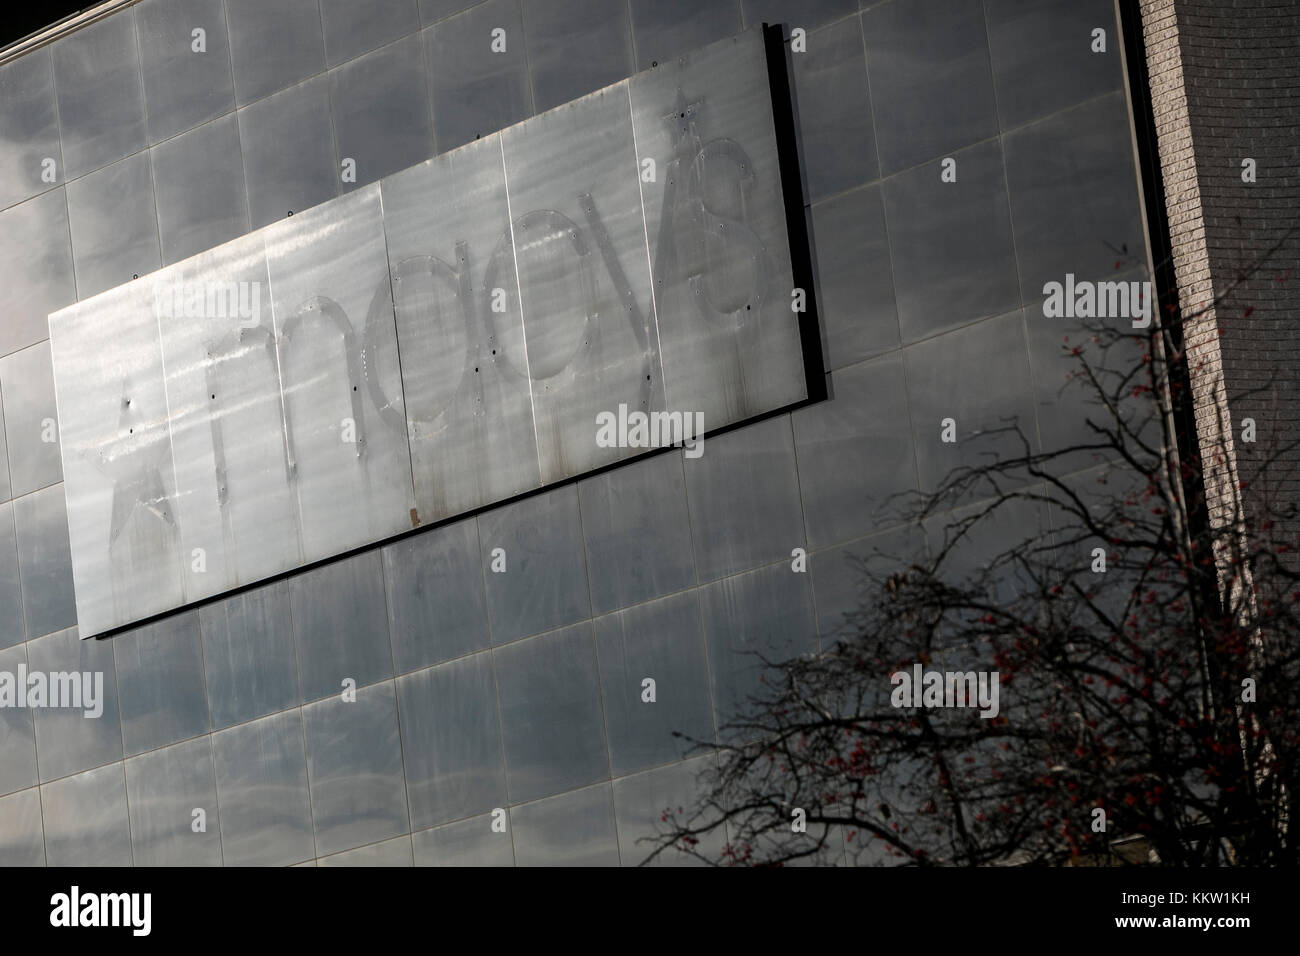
pixel 476 89
pixel 22 837
pixel 160 684
pixel 288 146
pixel 953 255
pixel 6 491
pixel 451 741
pixel 573 829
pixel 715 225
pixel 557 29
pixel 640 803
pixel 767 612
pixel 100 94
pixel 236 505
pixel 544 581
pixel 164 788
pixel 464 374
pixel 551 719
pixel 470 842
pixel 798 13
pixel 339 373
pixel 35 267
pixel 388 853
pixel 86 821
pixel 41 525
pixel 114 226
pixel 354 760
pixel 434 589
pixel 380 106
pixel 856 279
pixel 663 29
pixel 184 85
pixel 17 735
pixel 355 28
pixel 68 742
pixel 838 575
pixel 29 126
pixel 584 276
pixel 660 641
pixel 12 628
pixel 931 84
pixel 30 419
pixel 341 631
pixel 261 773
pixel 855 453
pixel 273 45
pixel 835 123
pixel 637 531
pixel 1080 159
pixel 432 11
pixel 979 376
pixel 117 461
pixel 250 664
pixel 200 193
pixel 1043 59
pixel 746 473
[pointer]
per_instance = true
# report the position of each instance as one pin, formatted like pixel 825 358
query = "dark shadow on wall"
pixel 785 116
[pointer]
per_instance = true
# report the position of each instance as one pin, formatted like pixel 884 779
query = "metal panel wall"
pixel 644 526
pixel 117 459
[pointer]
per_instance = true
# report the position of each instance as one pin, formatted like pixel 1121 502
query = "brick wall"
pixel 1225 83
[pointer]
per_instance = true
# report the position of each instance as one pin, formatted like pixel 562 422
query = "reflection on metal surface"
pixel 430 344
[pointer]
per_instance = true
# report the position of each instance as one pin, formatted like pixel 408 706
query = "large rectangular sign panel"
pixel 608 277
